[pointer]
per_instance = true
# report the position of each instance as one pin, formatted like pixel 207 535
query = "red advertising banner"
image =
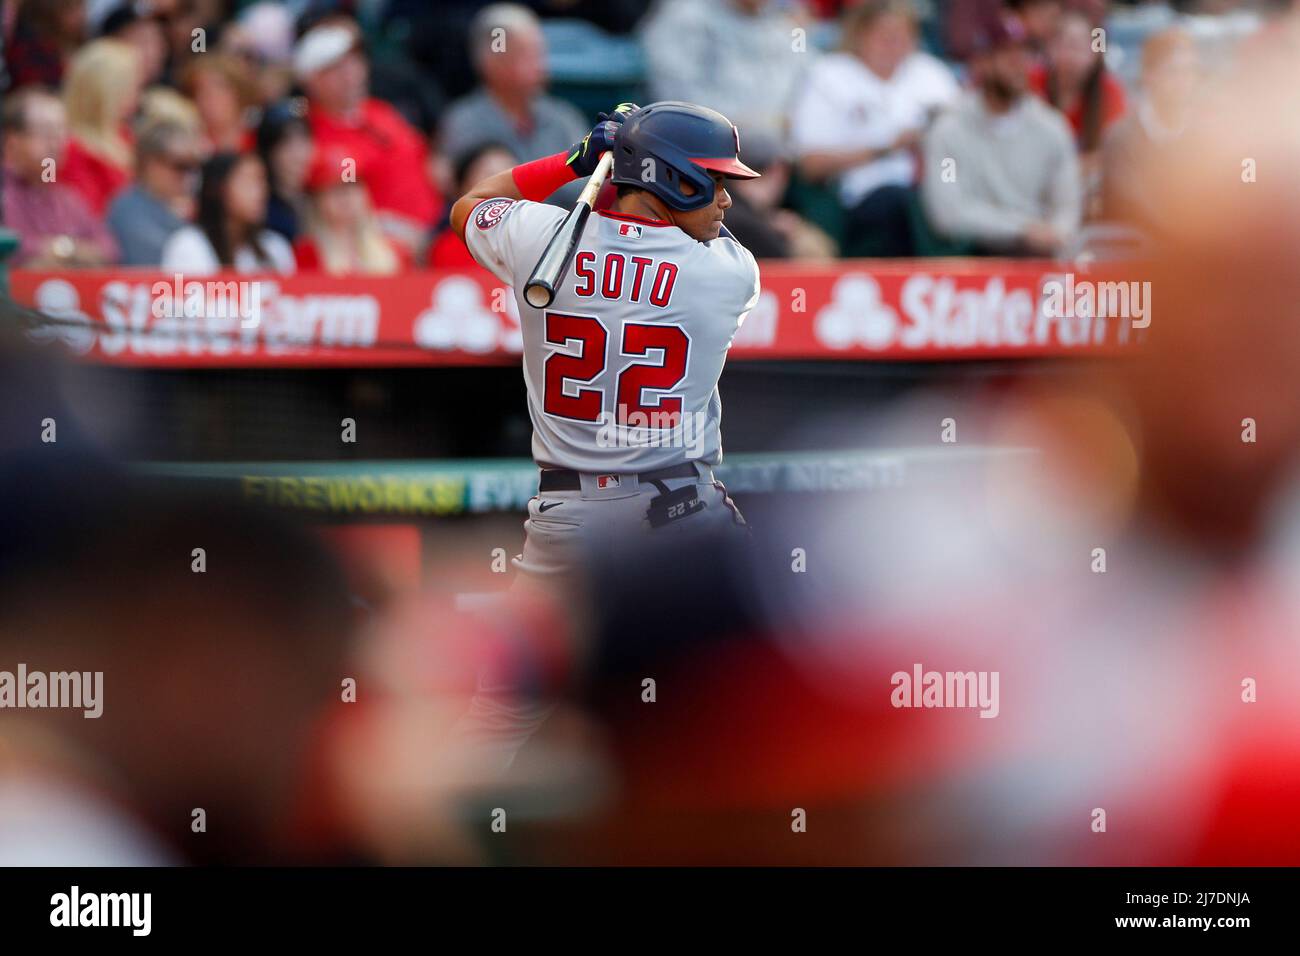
pixel 865 310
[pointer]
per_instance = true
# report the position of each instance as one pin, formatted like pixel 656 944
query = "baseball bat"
pixel 554 263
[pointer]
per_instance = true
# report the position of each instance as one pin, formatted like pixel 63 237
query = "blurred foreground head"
pixel 1224 344
pixel 212 681
pixel 220 632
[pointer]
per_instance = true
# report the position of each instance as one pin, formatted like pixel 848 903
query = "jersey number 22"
pixel 587 404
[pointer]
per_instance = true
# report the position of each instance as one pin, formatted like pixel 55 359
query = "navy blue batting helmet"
pixel 662 145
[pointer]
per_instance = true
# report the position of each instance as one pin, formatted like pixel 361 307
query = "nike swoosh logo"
pixel 548 505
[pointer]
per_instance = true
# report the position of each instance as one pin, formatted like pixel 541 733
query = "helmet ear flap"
pixel 673 180
pixel 702 183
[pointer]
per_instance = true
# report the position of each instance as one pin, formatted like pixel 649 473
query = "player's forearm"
pixel 535 181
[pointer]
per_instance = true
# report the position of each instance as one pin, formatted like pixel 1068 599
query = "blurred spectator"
pixel 162 198
pixel 409 88
pixel 262 40
pixel 45 35
pixel 738 57
pixel 55 228
pixel 285 145
pixel 230 232
pixel 436 38
pixel 101 92
pixel 861 116
pixel 332 69
pixel 221 88
pixel 963 21
pixel 756 218
pixel 1074 79
pixel 180 24
pixel 342 237
pixel 436 32
pixel 1152 136
pixel 447 250
pixel 1040 18
pixel 510 105
pixel 143 32
pixel 1000 168
pixel 162 104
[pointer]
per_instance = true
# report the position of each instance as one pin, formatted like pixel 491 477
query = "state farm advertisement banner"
pixel 921 310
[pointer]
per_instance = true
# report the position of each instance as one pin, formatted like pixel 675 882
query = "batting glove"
pixel 584 156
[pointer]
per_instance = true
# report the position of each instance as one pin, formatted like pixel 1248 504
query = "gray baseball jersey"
pixel 622 368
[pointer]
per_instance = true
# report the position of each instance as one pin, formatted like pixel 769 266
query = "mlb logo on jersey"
pixel 629 229
pixel 606 481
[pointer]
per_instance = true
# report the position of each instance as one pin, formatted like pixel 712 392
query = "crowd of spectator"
pixel 328 135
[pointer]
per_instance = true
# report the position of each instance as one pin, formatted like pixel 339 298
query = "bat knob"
pixel 538 294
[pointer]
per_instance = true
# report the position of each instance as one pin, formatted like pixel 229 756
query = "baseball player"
pixel 622 368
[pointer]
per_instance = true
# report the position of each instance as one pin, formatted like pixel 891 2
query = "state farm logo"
pixel 128 321
pixel 933 312
pixel 459 318
pixel 58 300
pixel 856 316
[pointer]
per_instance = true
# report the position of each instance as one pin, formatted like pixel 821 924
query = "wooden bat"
pixel 554 263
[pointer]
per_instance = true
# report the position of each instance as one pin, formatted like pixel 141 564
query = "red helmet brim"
pixel 729 166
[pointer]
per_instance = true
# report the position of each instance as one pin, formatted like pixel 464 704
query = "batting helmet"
pixel 662 145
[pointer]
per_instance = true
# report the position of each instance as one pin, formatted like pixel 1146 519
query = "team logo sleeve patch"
pixel 489 213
